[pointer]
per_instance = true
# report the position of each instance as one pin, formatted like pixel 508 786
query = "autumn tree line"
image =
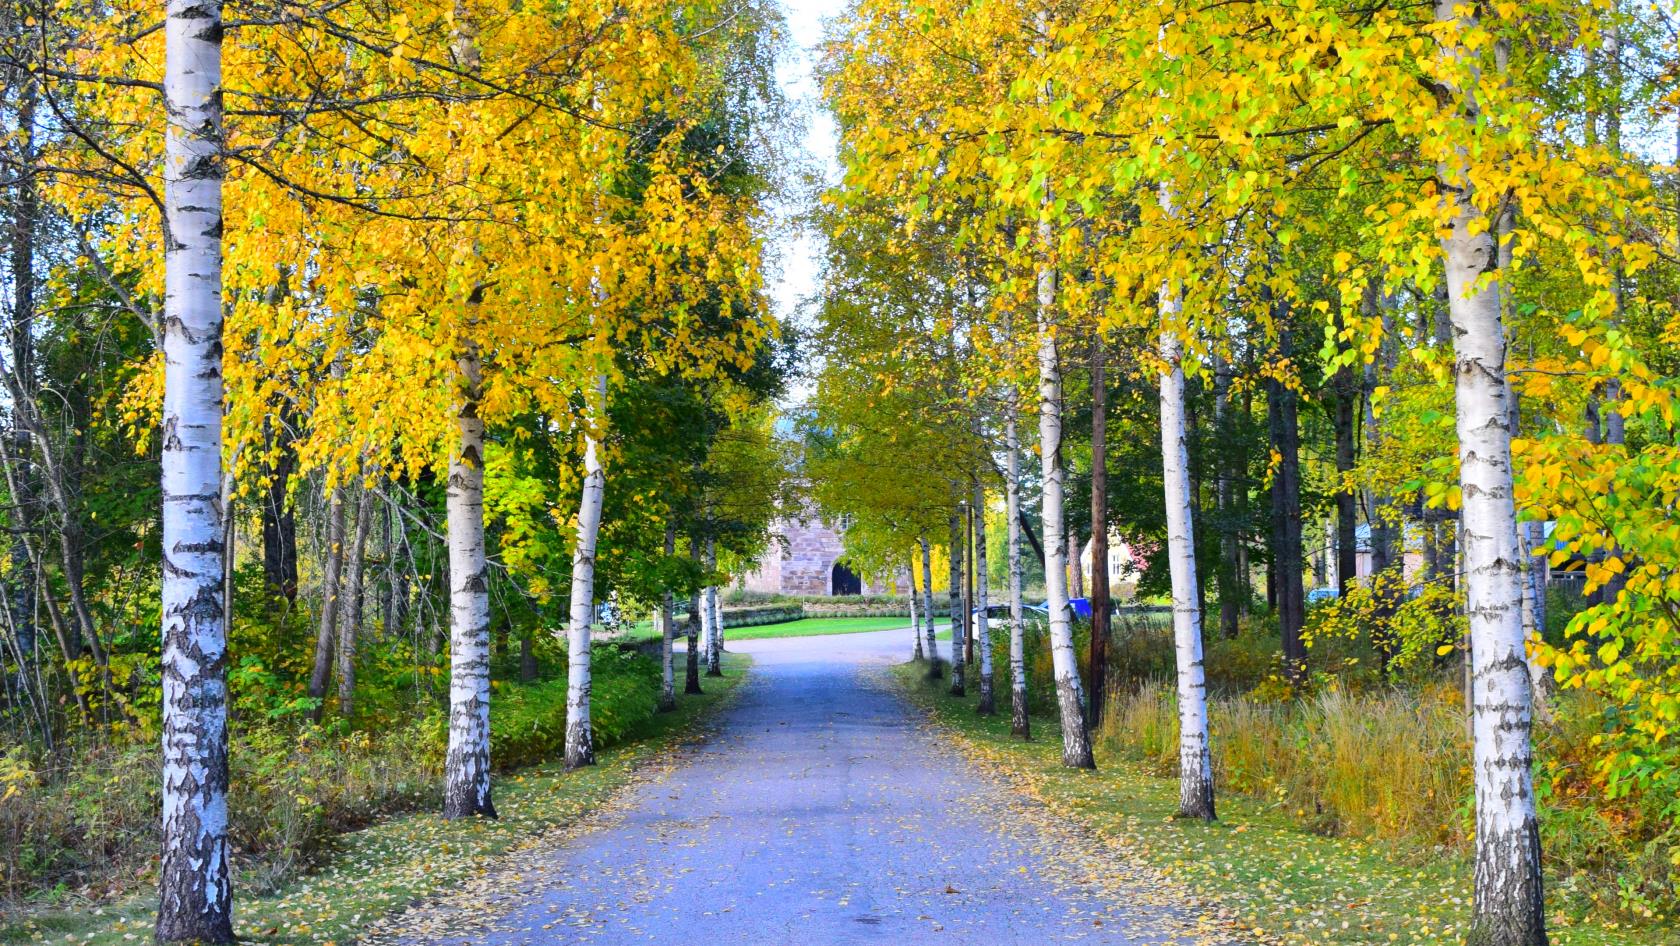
pixel 1281 284
pixel 375 347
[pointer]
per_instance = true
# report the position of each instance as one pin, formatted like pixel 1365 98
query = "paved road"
pixel 822 812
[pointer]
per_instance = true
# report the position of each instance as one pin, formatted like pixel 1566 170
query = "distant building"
pixel 804 559
pixel 1124 566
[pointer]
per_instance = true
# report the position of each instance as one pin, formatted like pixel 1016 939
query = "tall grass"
pixel 1393 764
pixel 1384 765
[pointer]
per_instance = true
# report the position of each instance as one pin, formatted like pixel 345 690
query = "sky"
pixel 795 254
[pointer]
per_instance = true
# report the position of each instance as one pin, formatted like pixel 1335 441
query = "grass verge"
pixel 1285 885
pixel 403 861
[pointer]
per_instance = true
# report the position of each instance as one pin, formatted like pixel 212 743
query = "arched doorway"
pixel 844 582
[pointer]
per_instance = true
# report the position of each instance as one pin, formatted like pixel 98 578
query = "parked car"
pixel 1317 595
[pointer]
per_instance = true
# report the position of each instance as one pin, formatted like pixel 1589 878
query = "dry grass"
pixel 1387 765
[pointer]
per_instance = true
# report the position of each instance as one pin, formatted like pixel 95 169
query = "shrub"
pixel 92 828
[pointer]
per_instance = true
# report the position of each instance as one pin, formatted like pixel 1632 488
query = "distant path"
pixel 822 812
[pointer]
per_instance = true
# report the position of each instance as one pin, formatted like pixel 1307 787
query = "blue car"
pixel 1081 607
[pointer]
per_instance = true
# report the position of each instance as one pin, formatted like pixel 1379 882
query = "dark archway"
pixel 845 583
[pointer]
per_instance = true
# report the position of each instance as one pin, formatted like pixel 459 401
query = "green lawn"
pixel 378 871
pixel 811 627
pixel 1255 867
pixel 804 627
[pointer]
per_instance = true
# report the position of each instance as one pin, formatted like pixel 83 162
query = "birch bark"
pixel 667 634
pixel 696 620
pixel 580 735
pixel 714 633
pixel 1070 697
pixel 959 622
pixel 935 670
pixel 195 898
pixel 982 626
pixel 1195 761
pixel 467 764
pixel 1019 725
pixel 915 613
pixel 1509 901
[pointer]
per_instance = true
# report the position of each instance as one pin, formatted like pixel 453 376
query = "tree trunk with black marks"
pixel 696 622
pixel 1020 725
pixel 935 665
pixel 982 626
pixel 959 621
pixel 915 614
pixel 1070 698
pixel 668 634
pixel 195 902
pixel 1509 902
pixel 467 764
pixel 580 734
pixel 1195 761
pixel 714 615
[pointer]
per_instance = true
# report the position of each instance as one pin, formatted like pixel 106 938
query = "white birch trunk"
pixel 1195 761
pixel 915 613
pixel 195 898
pixel 467 766
pixel 1070 696
pixel 1018 724
pixel 667 635
pixel 714 618
pixel 580 736
pixel 959 622
pixel 1509 902
pixel 935 670
pixel 982 635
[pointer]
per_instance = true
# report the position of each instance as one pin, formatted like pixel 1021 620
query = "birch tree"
pixel 982 631
pixel 934 671
pixel 714 637
pixel 667 633
pixel 467 766
pixel 1019 725
pixel 1070 698
pixel 580 736
pixel 195 898
pixel 959 621
pixel 915 613
pixel 1195 761
pixel 1509 903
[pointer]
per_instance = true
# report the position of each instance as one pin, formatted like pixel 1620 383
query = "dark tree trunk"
pixel 1345 386
pixel 351 625
pixel 1099 532
pixel 1287 553
pixel 327 630
pixel 691 675
pixel 527 659
pixel 1224 501
pixel 279 523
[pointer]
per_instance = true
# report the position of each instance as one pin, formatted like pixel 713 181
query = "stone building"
pixel 804 559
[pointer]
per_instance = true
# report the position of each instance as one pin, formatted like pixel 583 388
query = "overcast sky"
pixel 795 255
